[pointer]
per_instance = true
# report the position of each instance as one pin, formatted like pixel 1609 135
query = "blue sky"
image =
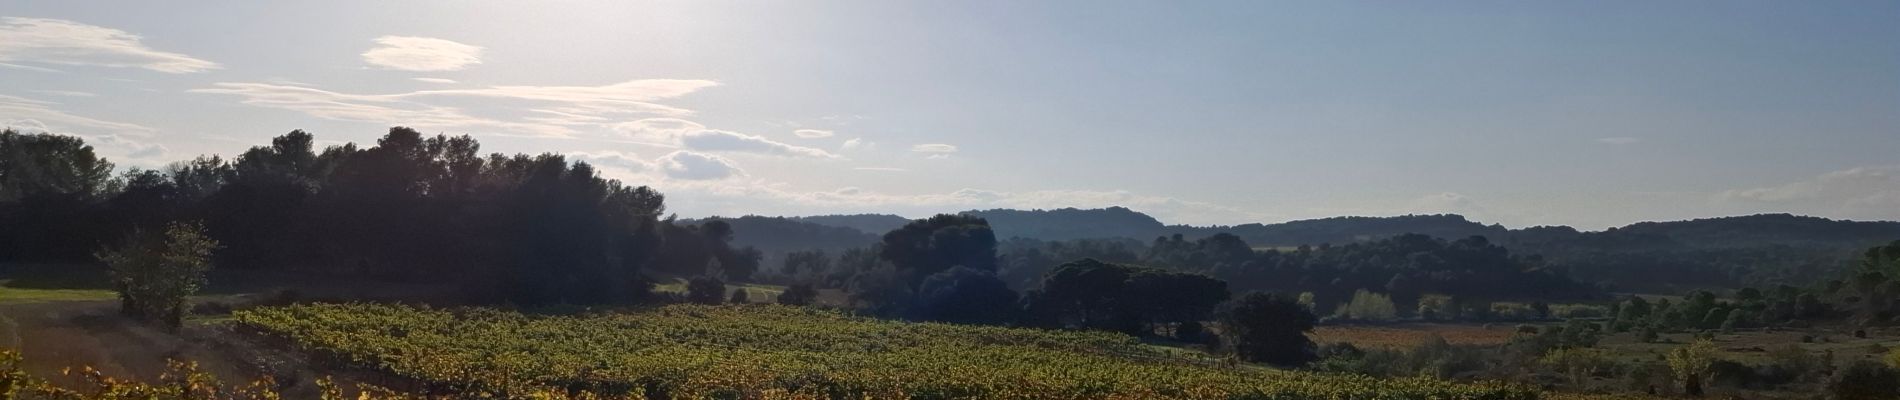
pixel 1591 114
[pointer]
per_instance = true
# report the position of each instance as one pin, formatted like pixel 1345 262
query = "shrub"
pixel 1368 306
pixel 1866 380
pixel 1436 307
pixel 740 296
pixel 1794 361
pixel 1513 311
pixel 1578 364
pixel 154 272
pixel 798 295
pixel 1579 311
pixel 705 290
pixel 1691 365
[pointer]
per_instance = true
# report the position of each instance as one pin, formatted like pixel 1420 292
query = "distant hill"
pixel 876 224
pixel 1654 257
pixel 1768 229
pixel 1071 223
pixel 777 235
pixel 1120 222
pixel 1342 230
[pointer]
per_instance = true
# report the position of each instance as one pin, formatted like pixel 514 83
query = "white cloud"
pixel 562 109
pixel 664 130
pixel 410 53
pixel 1619 141
pixel 675 132
pixel 67 93
pixel 718 140
pixel 382 109
pixel 112 139
pixel 62 42
pixel 44 114
pixel 812 133
pixel 857 144
pixel 690 165
pixel 1869 192
pixel 434 80
pixel 615 159
pixel 937 148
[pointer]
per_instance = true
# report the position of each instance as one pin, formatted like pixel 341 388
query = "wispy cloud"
pixel 410 53
pixel 20 108
pixel 1619 141
pixel 62 42
pixel 114 139
pixel 812 133
pixel 562 109
pixel 67 93
pixel 434 80
pixel 697 166
pixel 934 148
pixel 717 140
pixel 677 132
pixel 30 68
pixel 1868 192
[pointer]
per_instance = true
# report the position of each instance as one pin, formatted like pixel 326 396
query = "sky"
pixel 1589 114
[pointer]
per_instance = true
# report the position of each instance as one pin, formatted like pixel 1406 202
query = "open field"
pixel 773 351
pixel 1406 335
pixel 756 292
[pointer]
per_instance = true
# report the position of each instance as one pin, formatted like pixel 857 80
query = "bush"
pixel 1513 311
pixel 1691 365
pixel 1368 306
pixel 1578 363
pixel 1437 307
pixel 1866 380
pixel 802 294
pixel 154 271
pixel 1568 311
pixel 1190 331
pixel 740 296
pixel 705 290
pixel 1795 361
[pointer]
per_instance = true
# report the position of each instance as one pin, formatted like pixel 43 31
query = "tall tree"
pixel 1269 328
pixel 928 246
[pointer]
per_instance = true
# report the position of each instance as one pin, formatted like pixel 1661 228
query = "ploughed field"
pixel 769 351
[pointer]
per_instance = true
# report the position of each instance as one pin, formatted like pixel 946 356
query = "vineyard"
pixel 761 351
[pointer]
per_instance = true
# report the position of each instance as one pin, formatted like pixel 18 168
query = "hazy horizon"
pixel 1587 115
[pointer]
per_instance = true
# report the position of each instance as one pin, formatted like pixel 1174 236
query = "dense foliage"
pixel 526 229
pixel 154 271
pixel 773 351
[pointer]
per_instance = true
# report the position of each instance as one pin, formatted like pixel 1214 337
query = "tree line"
pixel 525 229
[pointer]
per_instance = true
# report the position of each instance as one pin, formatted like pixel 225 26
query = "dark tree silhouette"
pixel 1097 295
pixel 705 290
pixel 966 296
pixel 1269 328
pixel 928 246
pixel 801 294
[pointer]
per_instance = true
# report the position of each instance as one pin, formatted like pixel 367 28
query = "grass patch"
pixel 12 294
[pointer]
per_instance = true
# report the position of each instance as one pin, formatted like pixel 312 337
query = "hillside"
pixel 875 224
pixel 780 234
